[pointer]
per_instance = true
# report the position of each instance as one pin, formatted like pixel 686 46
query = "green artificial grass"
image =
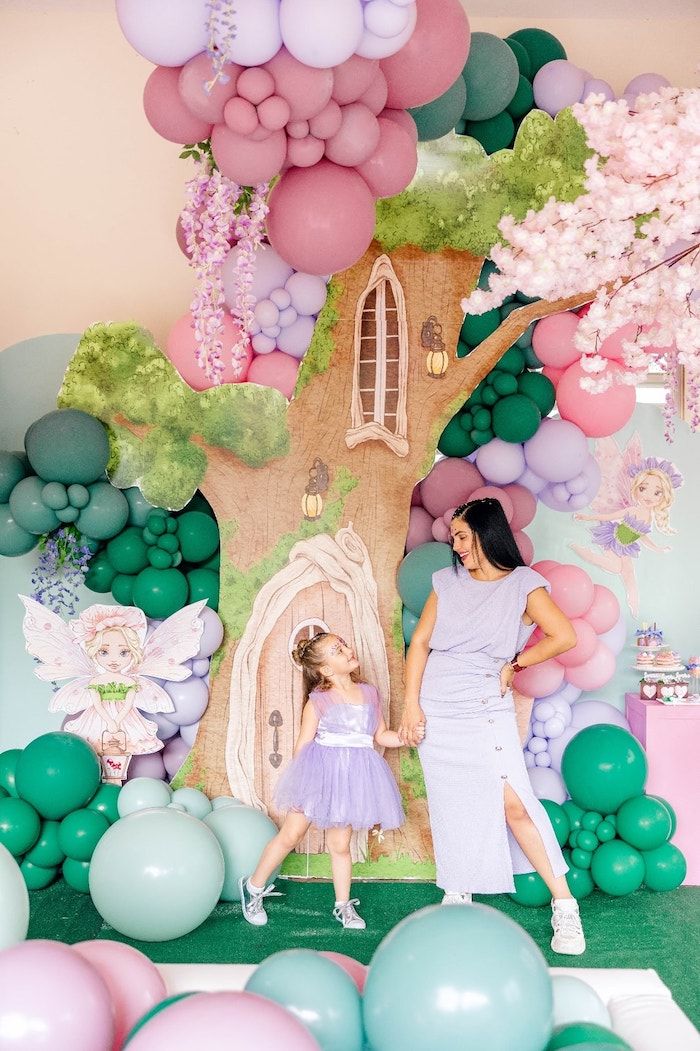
pixel 641 930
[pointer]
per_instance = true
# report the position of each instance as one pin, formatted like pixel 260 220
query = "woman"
pixel 487 823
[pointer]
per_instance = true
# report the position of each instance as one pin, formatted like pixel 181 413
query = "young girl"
pixel 336 780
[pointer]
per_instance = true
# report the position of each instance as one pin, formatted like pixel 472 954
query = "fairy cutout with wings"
pixel 110 656
pixel 636 494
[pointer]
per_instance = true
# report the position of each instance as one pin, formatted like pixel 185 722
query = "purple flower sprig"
pixel 221 25
pixel 63 562
pixel 249 229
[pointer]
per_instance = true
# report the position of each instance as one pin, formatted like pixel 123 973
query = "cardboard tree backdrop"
pixel 313 496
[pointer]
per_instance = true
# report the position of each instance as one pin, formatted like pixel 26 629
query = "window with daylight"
pixel 381 362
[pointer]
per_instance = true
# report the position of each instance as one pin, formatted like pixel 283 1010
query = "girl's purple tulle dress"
pixel 338 779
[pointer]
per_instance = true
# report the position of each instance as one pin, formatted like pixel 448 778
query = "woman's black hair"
pixel 487 521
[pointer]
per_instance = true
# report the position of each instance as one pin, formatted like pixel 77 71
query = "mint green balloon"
pixel 106 514
pixel 459 977
pixel 14 540
pixel 28 508
pixel 14 899
pixel 243 833
pixel 143 793
pixel 194 801
pixel 318 992
pixel 12 470
pixel 415 579
pixel 46 852
pixel 157 874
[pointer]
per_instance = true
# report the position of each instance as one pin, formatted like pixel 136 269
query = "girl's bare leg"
pixel 293 830
pixel 338 840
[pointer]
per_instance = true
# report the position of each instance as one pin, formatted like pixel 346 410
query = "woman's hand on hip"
pixel 507 676
pixel 412 728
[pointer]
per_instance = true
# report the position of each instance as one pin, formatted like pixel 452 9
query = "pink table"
pixel 670 736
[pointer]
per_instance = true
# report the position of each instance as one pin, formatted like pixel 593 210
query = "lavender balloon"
pixel 616 638
pixel 190 698
pixel 593 712
pixel 166 727
pixel 558 84
pixel 174 755
pixel 500 462
pixel 531 481
pixel 645 84
pixel 597 87
pixel 213 634
pixel 529 760
pixel 151 765
pixel 558 745
pixel 547 784
pixel 189 733
pixel 200 667
pixel 537 744
pixel 558 451
pixel 543 759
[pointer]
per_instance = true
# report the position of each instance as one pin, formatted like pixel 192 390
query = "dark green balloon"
pixel 454 441
pixel 505 383
pixel 57 773
pixel 542 47
pixel 204 584
pixel 440 116
pixel 531 359
pixel 512 361
pixel 198 535
pixel 583 1033
pixel 463 349
pixel 104 802
pixel 4 793
pixel 580 881
pixel 158 558
pixel 160 592
pixel 168 541
pixel 482 437
pixel 155 1011
pixel 8 769
pixel 19 825
pixel 106 514
pixel 36 877
pixel 77 874
pixel 199 502
pixel 490 397
pixel 496 133
pixel 482 419
pixel 28 509
pixel 539 389
pixel 605 832
pixel 101 573
pixel 530 889
pixel 559 820
pixel 617 868
pixel 14 540
pixel 46 852
pixel 67 446
pixel 12 470
pixel 80 832
pixel 580 858
pixel 491 75
pixel 644 823
pixel 128 552
pixel 156 522
pixel 521 57
pixel 516 418
pixel 478 327
pixel 487 269
pixel 123 589
pixel 603 766
pixel 214 562
pixel 665 867
pixel 523 100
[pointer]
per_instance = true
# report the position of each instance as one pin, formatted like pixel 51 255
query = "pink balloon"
pixel 327 122
pixel 167 113
pixel 304 153
pixel 420 528
pixel 241 116
pixel 415 496
pixel 134 983
pixel 276 370
pixel 357 971
pixel 450 483
pixel 299 129
pixel 544 566
pixel 524 505
pixel 586 645
pixel 553 340
pixel 553 375
pixel 393 163
pixel 307 90
pixel 595 672
pixel 612 346
pixel 50 997
pixel 525 546
pixel 321 219
pixel 598 415
pixel 208 1020
pixel 245 161
pixel 352 78
pixel 255 84
pixel 541 679
pixel 356 139
pixel 432 59
pixel 604 612
pixel 404 120
pixel 572 590
pixel 194 76
pixel 493 493
pixel 375 95
pixel 441 531
pixel 181 346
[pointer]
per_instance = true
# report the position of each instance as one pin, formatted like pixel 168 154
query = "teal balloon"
pixel 46 852
pixel 14 540
pixel 36 877
pixel 531 359
pixel 455 441
pixel 160 592
pixel 558 819
pixel 415 578
pixel 538 389
pixel 574 813
pixel 521 57
pixel 123 589
pixel 665 867
pixel 128 552
pixel 156 874
pixel 100 574
pixel 77 874
pixel 139 507
pixel 478 327
pixel 19 826
pixel 530 889
pixel 580 881
pixel 79 496
pixel 542 47
pixel 408 624
pixel 605 832
pixel 491 76
pixel 68 515
pixel 54 495
pixel 318 992
pixel 580 858
pixel 8 770
pixel 602 767
pixel 523 100
pixel 204 584
pixel 106 514
pixel 464 977
pixel 496 133
pixel 195 802
pixel 67 446
pixel 617 868
pixel 12 471
pixel 80 832
pixel 585 1034
pixel 242 833
pixel 57 773
pixel 106 802
pixel 198 535
pixel 438 117
pixel 671 811
pixel 28 508
pixel 644 823
pixel 587 840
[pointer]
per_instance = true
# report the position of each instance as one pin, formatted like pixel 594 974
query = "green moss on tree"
pixel 318 356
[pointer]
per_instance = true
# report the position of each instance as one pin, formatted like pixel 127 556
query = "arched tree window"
pixel 381 362
pixel 306 630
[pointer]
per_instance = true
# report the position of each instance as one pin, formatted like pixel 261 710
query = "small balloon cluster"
pixel 615 837
pixel 53 809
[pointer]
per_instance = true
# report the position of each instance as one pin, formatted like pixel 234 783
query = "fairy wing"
pixel 632 457
pixel 72 698
pixel 49 639
pixel 614 492
pixel 151 697
pixel 173 641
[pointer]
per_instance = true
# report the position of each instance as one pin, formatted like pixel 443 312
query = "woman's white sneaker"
pixel 345 913
pixel 568 938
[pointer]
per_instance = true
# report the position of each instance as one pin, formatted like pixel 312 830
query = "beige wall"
pixel 90 194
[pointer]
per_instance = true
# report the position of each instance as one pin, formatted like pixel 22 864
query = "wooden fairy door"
pixel 279 699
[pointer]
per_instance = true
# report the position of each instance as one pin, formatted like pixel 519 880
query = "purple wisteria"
pixel 221 24
pixel 63 562
pixel 250 226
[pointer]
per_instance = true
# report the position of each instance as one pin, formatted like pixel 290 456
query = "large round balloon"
pixel 242 833
pixel 603 766
pixel 617 868
pixel 156 874
pixel 160 592
pixel 106 514
pixel 432 59
pixel 67 446
pixel 664 868
pixel 14 539
pixel 438 117
pixel 597 415
pixel 57 773
pixel 491 75
pixel 321 35
pixel 166 32
pixel 460 977
pixel 644 823
pixel 415 579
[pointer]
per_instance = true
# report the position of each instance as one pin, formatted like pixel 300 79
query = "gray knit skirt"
pixel 471 750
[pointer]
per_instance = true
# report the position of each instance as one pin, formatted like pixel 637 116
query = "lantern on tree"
pixel 312 501
pixel 432 341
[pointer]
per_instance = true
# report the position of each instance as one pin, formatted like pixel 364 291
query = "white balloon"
pixel 14 901
pixel 319 33
pixel 385 19
pixel 373 46
pixel 258 35
pixel 543 759
pixel 166 32
pixel 575 1001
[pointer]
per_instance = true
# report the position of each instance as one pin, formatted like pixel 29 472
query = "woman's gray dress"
pixel 471 747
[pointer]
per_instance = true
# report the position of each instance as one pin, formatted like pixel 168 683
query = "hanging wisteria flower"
pixel 221 24
pixel 632 240
pixel 250 226
pixel 60 572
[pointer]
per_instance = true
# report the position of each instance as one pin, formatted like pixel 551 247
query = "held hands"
pixel 412 728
